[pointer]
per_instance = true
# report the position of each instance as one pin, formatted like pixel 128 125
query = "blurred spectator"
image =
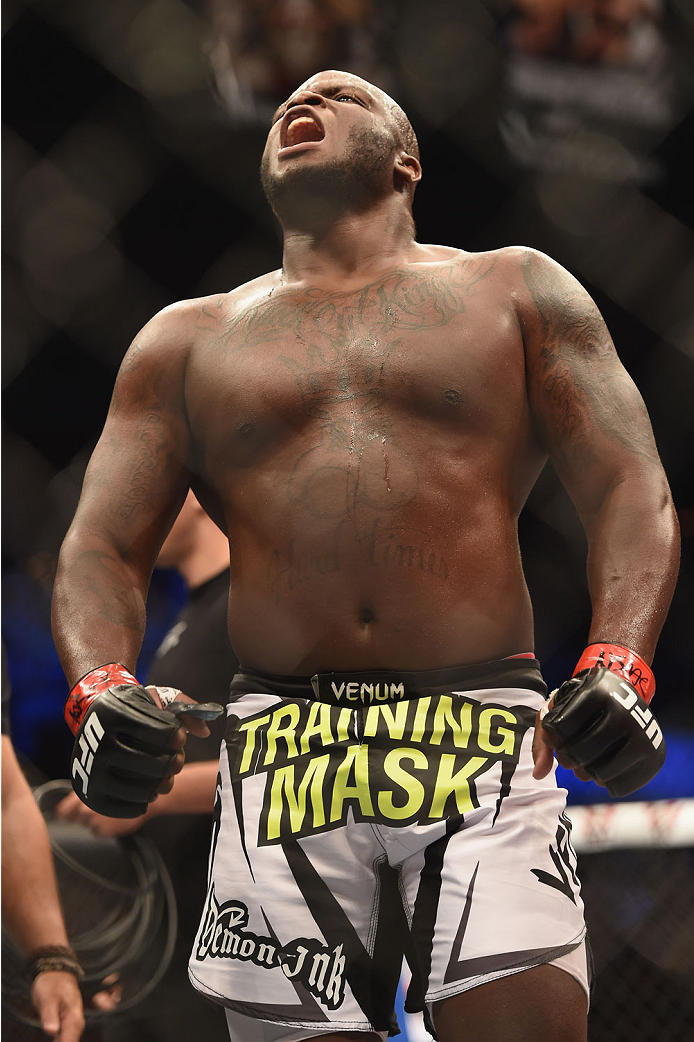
pixel 614 32
pixel 197 657
pixel 260 49
pixel 590 88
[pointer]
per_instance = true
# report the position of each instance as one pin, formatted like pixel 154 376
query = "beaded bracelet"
pixel 52 958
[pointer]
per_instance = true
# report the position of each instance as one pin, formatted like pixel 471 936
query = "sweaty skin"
pixel 366 424
pixel 380 453
pixel 368 451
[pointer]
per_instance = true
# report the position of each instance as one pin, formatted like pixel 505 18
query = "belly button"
pixel 453 396
pixel 366 615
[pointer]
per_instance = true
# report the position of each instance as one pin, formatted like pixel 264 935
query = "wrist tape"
pixel 622 661
pixel 93 684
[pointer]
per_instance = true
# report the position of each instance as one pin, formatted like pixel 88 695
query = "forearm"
pixel 193 791
pixel 98 612
pixel 30 906
pixel 633 559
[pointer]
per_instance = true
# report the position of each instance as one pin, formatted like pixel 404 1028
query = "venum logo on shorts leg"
pixel 564 858
pixel 224 936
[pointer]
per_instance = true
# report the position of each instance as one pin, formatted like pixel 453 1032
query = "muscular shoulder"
pixel 556 313
pixel 541 288
pixel 177 325
pixel 168 335
pixel 522 258
pixel 512 267
pixel 482 275
pixel 153 367
pixel 195 319
pixel 177 328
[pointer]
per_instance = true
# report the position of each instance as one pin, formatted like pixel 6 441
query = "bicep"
pixel 138 475
pixel 135 484
pixel 587 409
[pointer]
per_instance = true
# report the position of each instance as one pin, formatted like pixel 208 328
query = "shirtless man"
pixel 366 424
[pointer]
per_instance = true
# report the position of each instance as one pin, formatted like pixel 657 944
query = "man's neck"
pixel 354 246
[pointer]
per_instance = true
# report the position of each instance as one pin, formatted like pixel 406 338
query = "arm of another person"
pixel 594 424
pixel 192 793
pixel 31 912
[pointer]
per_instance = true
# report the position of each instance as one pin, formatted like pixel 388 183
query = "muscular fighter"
pixel 365 424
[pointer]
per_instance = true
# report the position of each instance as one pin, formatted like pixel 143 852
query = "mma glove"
pixel 125 744
pixel 600 720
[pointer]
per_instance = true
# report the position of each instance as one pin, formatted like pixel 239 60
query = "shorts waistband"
pixel 380 686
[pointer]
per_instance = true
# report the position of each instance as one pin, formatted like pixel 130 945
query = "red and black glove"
pixel 600 720
pixel 125 744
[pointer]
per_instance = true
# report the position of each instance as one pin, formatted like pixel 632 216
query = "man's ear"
pixel 408 169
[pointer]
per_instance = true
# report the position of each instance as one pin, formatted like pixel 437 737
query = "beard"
pixel 311 193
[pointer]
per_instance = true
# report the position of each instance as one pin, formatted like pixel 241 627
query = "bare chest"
pixel 435 349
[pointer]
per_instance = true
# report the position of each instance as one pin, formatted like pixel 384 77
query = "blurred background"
pixel 132 138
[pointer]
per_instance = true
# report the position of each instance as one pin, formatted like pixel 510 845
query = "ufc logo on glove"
pixel 87 745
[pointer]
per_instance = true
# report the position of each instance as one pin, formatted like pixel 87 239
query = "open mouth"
pixel 300 128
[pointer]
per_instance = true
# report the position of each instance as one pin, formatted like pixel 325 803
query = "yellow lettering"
pixel 413 787
pixel 322 727
pixel 447 782
pixel 357 757
pixel 250 728
pixel 460 728
pixel 395 721
pixel 420 718
pixel 290 712
pixel 506 734
pixel 283 782
pixel 343 722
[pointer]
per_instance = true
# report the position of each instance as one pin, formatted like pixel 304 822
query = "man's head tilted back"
pixel 340 143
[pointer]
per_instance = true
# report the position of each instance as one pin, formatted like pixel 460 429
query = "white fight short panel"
pixel 344 836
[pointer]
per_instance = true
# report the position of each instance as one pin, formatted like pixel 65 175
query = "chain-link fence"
pixel 640 913
pixel 637 865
